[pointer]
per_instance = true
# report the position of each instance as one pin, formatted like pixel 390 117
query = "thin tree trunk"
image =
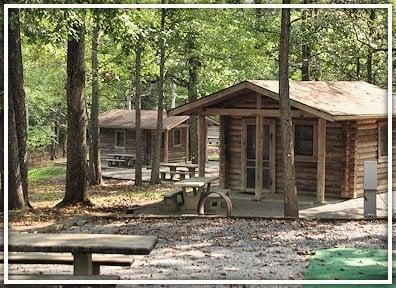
pixel 94 153
pixel 15 190
pixel 2 123
pixel 193 64
pixel 290 189
pixel 370 77
pixel 17 95
pixel 54 140
pixel 305 49
pixel 76 170
pixel 139 148
pixel 158 132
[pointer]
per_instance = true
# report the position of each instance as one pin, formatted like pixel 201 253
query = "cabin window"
pixel 120 139
pixel 176 137
pixel 304 140
pixel 382 141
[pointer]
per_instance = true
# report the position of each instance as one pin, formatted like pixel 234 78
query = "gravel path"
pixel 229 248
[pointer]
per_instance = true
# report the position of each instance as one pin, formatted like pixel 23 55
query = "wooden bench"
pixel 67 259
pixel 63 277
pixel 174 199
pixel 182 174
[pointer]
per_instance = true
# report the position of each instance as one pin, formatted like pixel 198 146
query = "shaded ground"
pixel 228 249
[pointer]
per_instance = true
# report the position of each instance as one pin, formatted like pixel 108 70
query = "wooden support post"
pixel 222 148
pixel 202 141
pixel 321 164
pixel 188 143
pixel 166 146
pixel 259 193
pixel 82 264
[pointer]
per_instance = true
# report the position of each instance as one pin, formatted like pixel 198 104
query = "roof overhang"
pixel 194 107
pixel 198 106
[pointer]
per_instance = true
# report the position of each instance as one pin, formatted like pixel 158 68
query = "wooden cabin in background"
pixel 118 135
pixel 337 126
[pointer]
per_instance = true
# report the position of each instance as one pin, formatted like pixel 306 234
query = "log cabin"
pixel 118 135
pixel 337 125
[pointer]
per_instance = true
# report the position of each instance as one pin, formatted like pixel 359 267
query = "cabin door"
pixel 249 181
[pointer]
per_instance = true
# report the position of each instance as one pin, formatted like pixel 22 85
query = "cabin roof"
pixel 126 119
pixel 332 100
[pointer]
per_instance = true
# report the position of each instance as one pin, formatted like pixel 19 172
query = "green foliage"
pixel 43 173
pixel 231 45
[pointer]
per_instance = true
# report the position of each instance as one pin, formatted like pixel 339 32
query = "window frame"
pixel 314 156
pixel 175 145
pixel 116 144
pixel 380 156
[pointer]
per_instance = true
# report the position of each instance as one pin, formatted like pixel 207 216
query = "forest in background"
pixel 206 50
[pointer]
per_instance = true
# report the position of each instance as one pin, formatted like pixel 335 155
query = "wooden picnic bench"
pixel 67 259
pixel 178 169
pixel 119 159
pixel 200 195
pixel 81 246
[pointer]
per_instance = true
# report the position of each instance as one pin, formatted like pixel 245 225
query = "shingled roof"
pixel 126 119
pixel 332 100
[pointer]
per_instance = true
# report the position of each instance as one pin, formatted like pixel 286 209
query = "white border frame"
pixel 200 6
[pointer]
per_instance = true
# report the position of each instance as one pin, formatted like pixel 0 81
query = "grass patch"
pixel 46 172
pixel 348 264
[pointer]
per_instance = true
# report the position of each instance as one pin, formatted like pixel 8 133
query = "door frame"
pixel 251 121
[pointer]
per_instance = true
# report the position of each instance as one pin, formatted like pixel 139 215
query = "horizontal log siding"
pixel 177 153
pixel 107 141
pixel 363 144
pixel 233 153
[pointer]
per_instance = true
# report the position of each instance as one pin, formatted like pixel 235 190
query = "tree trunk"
pixel 158 132
pixel 54 140
pixel 138 154
pixel 290 189
pixel 193 64
pixel 15 190
pixel 94 153
pixel 76 170
pixel 2 124
pixel 370 50
pixel 17 96
pixel 305 49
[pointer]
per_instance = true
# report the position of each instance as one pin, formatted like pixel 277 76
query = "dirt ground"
pixel 228 248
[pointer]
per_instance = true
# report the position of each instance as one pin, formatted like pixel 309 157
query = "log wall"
pixel 107 144
pixel 362 138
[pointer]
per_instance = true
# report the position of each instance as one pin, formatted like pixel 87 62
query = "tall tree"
pixel 17 97
pixel 193 66
pixel 290 188
pixel 15 191
pixel 94 154
pixel 138 162
pixel 76 170
pixel 305 48
pixel 158 132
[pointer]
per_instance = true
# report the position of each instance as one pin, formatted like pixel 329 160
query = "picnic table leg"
pixel 192 172
pixel 82 263
pixel 172 169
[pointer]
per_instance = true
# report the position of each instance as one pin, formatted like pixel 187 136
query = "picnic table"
pixel 173 167
pixel 197 183
pixel 81 246
pixel 123 158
